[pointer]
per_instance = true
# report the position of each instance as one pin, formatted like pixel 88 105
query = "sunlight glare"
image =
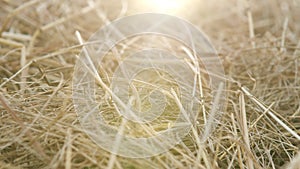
pixel 169 6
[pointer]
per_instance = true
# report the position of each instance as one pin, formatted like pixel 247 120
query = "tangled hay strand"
pixel 259 45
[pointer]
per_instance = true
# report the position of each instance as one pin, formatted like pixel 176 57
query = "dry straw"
pixel 258 42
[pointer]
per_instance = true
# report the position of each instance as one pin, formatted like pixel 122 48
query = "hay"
pixel 259 45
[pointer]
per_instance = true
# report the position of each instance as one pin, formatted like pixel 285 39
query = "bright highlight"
pixel 167 6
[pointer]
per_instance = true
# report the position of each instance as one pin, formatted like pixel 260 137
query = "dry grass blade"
pixel 261 105
pixel 244 128
pixel 39 152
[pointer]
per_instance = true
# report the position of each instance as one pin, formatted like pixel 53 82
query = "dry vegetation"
pixel 259 45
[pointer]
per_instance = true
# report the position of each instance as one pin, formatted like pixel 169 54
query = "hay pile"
pixel 259 45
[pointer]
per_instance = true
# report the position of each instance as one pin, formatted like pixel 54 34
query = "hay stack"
pixel 259 45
